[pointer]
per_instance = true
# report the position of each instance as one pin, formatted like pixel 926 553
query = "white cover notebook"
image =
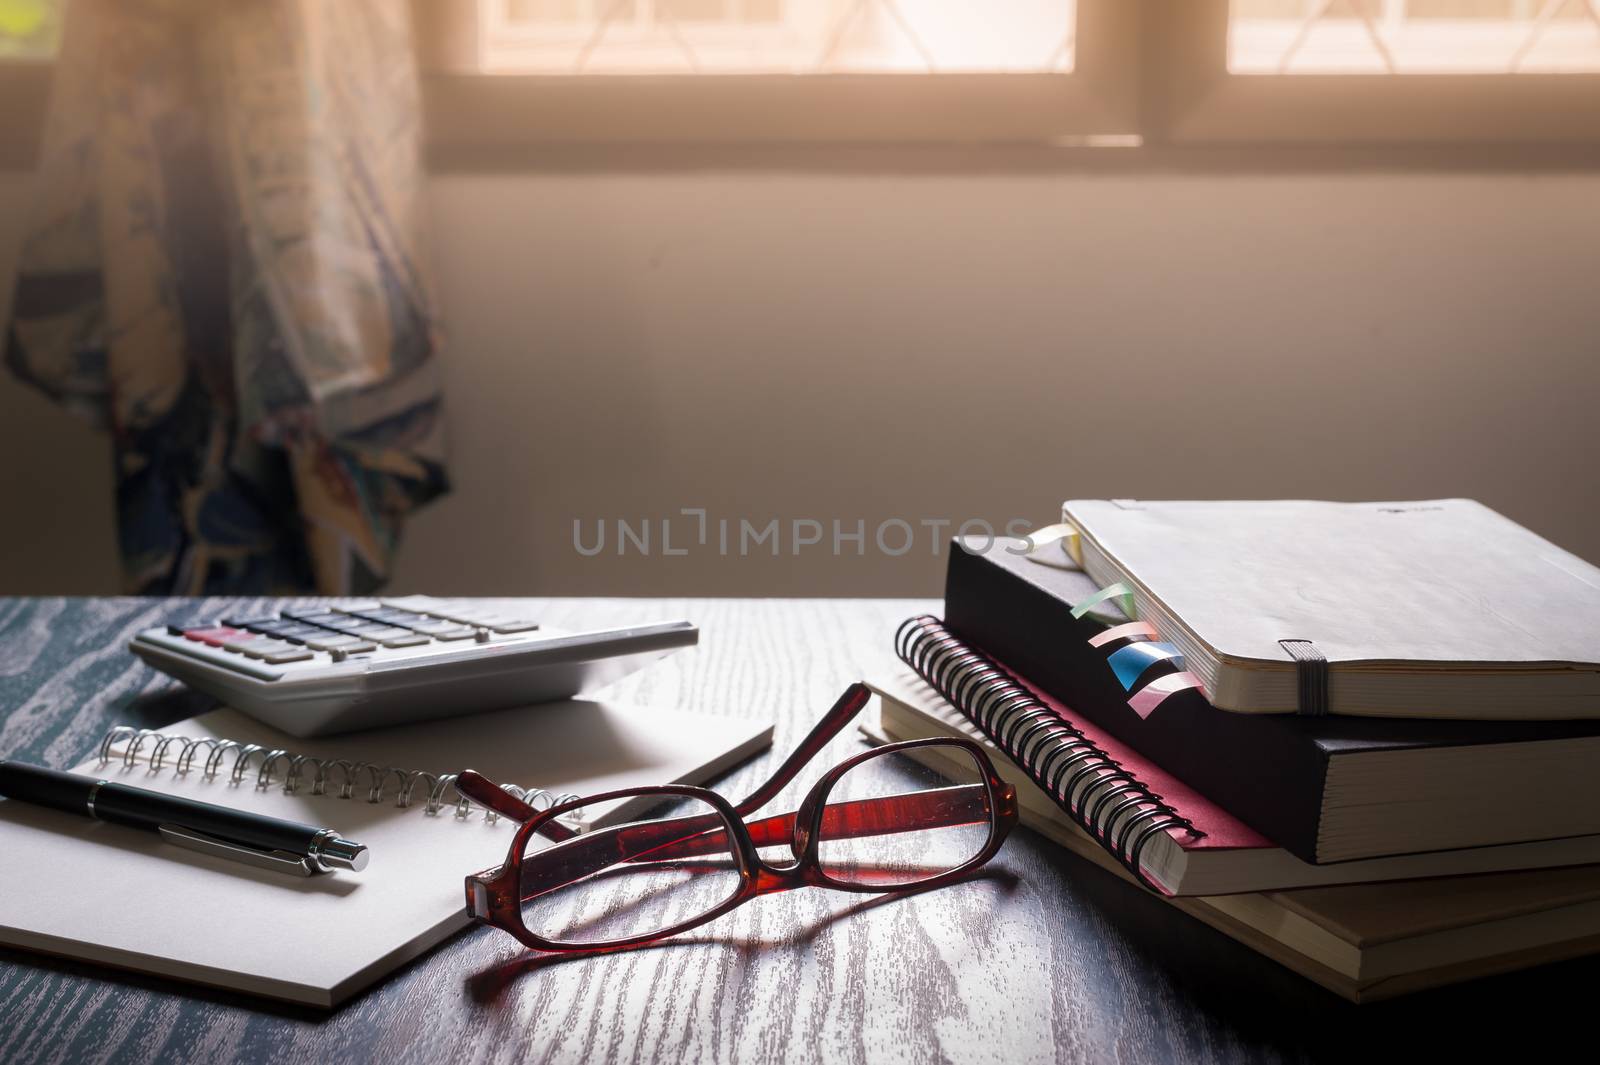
pixel 317 940
pixel 1440 608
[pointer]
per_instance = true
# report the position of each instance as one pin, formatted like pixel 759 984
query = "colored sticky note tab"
pixel 1130 662
pixel 1118 591
pixel 1064 534
pixel 1131 630
pixel 1152 695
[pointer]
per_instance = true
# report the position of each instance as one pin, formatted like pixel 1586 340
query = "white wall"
pixel 837 345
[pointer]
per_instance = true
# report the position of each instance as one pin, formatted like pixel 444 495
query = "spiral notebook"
pixel 319 940
pixel 1167 834
pixel 1362 941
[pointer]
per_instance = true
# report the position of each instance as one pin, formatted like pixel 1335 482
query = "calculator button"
pixel 442 630
pixel 410 639
pixel 465 615
pixel 497 622
pixel 501 623
pixel 251 623
pixel 513 625
pixel 436 627
pixel 288 654
pixel 325 619
pixel 412 621
pixel 329 640
pixel 218 635
pixel 260 647
pixel 336 642
pixel 311 616
pixel 293 631
pixel 328 621
pixel 445 614
pixel 382 633
pixel 383 613
pixel 459 612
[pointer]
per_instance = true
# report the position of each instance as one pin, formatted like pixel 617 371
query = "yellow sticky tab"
pixel 1064 534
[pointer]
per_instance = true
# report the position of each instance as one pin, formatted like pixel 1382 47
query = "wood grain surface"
pixel 1040 958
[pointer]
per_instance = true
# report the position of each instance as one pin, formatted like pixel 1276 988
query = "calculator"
pixel 326 669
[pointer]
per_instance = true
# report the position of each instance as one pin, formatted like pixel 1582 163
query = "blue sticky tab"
pixel 1130 662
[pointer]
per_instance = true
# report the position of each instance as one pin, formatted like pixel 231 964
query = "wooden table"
pixel 1043 958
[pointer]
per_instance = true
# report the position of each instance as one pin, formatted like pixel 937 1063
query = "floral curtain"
pixel 224 270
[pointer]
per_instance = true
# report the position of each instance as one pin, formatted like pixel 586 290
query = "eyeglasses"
pixel 918 814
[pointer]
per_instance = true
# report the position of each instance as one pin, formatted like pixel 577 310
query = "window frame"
pixel 470 111
pixel 1149 76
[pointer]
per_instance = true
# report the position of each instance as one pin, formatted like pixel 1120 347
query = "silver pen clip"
pixel 276 861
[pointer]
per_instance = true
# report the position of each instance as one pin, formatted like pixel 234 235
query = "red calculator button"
pixel 218 635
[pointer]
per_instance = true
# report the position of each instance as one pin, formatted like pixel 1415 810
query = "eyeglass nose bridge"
pixel 768 876
pixel 808 816
pixel 805 822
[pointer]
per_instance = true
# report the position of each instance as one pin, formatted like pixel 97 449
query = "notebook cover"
pixel 1267 770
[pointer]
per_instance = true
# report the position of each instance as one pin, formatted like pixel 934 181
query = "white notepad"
pixel 1439 608
pixel 114 895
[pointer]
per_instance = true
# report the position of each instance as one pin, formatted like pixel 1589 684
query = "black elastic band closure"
pixel 1311 669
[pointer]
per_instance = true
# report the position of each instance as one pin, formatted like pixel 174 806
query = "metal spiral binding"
pixel 1102 797
pixel 373 779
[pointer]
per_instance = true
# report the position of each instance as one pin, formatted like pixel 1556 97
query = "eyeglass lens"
pixel 578 893
pixel 902 817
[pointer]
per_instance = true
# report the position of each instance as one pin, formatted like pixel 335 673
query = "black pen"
pixel 264 842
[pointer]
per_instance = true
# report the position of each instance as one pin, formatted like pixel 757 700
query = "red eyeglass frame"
pixel 495 896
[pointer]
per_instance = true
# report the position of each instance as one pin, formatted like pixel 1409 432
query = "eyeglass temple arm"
pixel 847 707
pixel 485 792
pixel 705 834
pixel 481 789
pixel 963 804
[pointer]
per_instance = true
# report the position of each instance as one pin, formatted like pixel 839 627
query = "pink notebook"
pixel 1164 832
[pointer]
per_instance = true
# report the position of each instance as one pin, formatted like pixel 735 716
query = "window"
pixel 1040 71
pixel 1380 72
pixel 777 36
pixel 779 71
pixel 29 29
pixel 511 76
pixel 1413 36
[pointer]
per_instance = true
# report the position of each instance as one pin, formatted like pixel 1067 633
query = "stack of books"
pixel 1363 739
